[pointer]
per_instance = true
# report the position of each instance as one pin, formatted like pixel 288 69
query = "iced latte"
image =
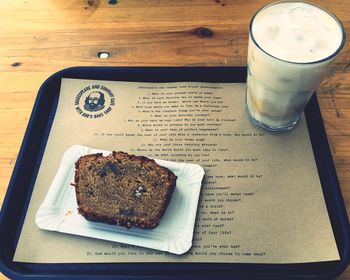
pixel 291 47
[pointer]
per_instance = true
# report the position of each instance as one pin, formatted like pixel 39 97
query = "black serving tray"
pixel 22 181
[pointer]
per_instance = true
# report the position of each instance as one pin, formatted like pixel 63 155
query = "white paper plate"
pixel 174 233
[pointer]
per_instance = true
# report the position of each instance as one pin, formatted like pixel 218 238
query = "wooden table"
pixel 40 37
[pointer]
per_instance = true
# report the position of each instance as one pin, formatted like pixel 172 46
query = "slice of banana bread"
pixel 122 189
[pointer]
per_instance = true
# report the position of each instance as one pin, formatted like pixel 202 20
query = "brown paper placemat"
pixel 261 199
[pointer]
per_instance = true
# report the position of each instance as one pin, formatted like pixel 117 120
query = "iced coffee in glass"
pixel 292 45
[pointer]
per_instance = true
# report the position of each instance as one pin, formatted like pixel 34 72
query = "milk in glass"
pixel 291 48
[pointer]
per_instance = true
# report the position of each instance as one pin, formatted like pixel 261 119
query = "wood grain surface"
pixel 41 37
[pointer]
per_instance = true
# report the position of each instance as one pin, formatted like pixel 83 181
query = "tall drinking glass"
pixel 292 45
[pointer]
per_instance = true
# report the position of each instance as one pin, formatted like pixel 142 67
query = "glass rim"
pixel 335 53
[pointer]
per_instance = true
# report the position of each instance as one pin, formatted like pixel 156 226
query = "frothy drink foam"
pixel 291 48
